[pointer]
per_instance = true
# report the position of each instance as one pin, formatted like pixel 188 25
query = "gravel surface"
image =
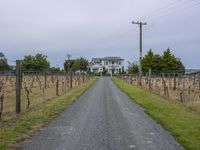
pixel 103 118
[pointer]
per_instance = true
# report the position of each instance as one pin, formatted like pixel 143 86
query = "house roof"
pixel 96 60
pixel 112 58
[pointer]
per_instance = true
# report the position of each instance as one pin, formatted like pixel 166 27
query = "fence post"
pixel 1 98
pixel 174 88
pixel 83 78
pixel 179 80
pixel 65 82
pixel 149 78
pixel 199 81
pixel 131 79
pixel 182 91
pixel 71 80
pixel 194 79
pixel 45 79
pixel 164 84
pixel 18 86
pixel 57 85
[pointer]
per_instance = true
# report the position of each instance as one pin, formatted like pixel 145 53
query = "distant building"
pixel 112 65
pixel 192 71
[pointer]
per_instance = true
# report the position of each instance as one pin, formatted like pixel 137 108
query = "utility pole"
pixel 140 55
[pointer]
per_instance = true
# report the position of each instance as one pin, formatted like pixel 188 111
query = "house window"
pixel 120 63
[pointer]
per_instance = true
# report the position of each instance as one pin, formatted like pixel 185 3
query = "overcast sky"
pixel 98 28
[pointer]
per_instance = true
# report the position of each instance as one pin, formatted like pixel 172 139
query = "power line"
pixel 158 10
pixel 168 9
pixel 175 11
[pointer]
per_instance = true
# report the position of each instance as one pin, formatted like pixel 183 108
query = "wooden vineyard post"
pixel 43 89
pixel 18 86
pixel 182 90
pixel 78 79
pixel 199 80
pixel 131 79
pixel 194 80
pixel 179 79
pixel 65 82
pixel 83 78
pixel 45 79
pixel 71 80
pixel 164 85
pixel 149 78
pixel 57 86
pixel 174 88
pixel 1 98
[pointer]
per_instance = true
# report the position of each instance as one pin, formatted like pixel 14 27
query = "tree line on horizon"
pixel 39 62
pixel 167 62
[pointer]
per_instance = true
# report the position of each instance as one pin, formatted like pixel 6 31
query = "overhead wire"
pixel 158 10
pixel 167 8
pixel 175 11
pixel 175 6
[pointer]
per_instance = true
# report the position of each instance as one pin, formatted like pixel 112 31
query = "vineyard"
pixel 34 89
pixel 174 86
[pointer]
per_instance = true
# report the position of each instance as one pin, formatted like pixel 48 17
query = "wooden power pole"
pixel 140 56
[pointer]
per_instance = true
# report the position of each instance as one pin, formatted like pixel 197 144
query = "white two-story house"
pixel 113 65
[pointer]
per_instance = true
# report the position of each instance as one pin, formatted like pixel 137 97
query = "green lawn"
pixel 182 122
pixel 12 131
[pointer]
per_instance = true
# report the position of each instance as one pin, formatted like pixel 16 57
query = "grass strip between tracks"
pixel 13 131
pixel 182 122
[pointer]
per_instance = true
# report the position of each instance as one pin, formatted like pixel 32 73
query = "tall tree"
pixel 156 63
pixel 132 68
pixel 38 62
pixel 151 61
pixel 68 64
pixel 181 67
pixel 147 61
pixel 169 61
pixel 3 63
pixel 79 64
pixel 166 63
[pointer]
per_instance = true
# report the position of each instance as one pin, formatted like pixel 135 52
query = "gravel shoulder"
pixel 103 118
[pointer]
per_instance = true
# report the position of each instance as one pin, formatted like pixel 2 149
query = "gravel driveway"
pixel 103 118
